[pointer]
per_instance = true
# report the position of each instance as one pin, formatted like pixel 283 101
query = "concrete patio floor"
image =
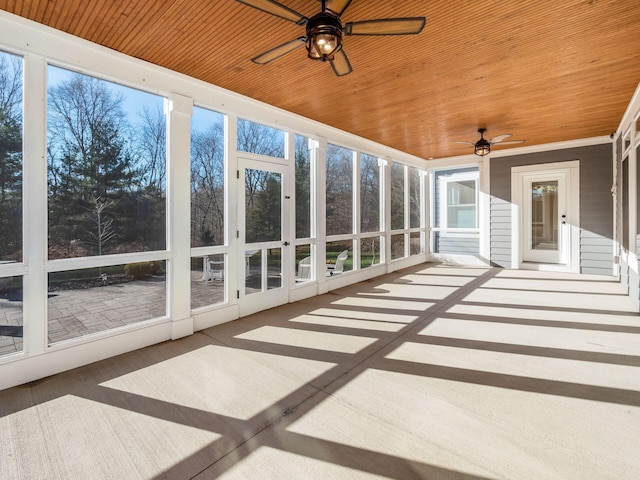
pixel 432 372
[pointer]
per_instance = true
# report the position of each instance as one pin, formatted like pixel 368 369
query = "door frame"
pixel 572 169
pixel 248 304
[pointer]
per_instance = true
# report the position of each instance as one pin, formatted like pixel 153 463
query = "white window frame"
pixel 444 201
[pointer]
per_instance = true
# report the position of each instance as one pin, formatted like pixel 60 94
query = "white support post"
pixel 35 204
pixel 320 214
pixel 179 111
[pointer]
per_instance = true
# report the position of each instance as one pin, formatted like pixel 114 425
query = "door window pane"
pixel 10 158
pixel 106 154
pixel 339 193
pixel 369 193
pixel 263 201
pixel 544 215
pixel 207 178
pixel 274 268
pixel 256 138
pixel 253 272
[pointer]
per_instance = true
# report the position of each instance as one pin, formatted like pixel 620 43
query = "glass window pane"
pixel 339 257
pixel 369 251
pixel 339 190
pixel 415 207
pixel 397 246
pixel 461 204
pixel 461 216
pixel 415 243
pixel 106 154
pixel 397 196
pixel 304 269
pixel 11 319
pixel 263 203
pixel 93 300
pixel 303 187
pixel 207 178
pixel 256 138
pixel 461 192
pixel 208 275
pixel 10 157
pixel 369 193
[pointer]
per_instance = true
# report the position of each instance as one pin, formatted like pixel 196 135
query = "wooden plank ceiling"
pixel 546 71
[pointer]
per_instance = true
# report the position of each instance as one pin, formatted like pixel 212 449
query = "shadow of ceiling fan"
pixel 324 31
pixel 483 146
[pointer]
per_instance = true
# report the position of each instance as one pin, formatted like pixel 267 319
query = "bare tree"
pixel 207 186
pixel 152 147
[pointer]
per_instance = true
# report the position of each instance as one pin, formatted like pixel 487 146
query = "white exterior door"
pixel 263 251
pixel 546 216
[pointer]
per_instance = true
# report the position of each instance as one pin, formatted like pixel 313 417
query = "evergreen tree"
pixel 10 157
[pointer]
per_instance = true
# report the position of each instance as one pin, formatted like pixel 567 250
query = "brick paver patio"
pixel 80 312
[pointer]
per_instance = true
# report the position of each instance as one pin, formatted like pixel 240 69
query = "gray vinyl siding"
pixel 459 244
pixel 596 204
pixel 500 231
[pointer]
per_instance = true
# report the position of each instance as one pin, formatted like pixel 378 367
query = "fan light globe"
pixel 482 146
pixel 324 37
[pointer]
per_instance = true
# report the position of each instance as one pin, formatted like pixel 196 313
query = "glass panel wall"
pixel 370 251
pixel 208 271
pixel 106 154
pixel 303 186
pixel 93 300
pixel 339 191
pixel 397 196
pixel 339 257
pixel 106 158
pixel 261 139
pixel 11 209
pixel 10 158
pixel 369 193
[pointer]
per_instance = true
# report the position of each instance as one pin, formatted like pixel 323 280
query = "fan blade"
pixel 278 51
pixel 337 7
pixel 466 143
pixel 511 142
pixel 340 63
pixel 386 26
pixel 500 138
pixel 277 9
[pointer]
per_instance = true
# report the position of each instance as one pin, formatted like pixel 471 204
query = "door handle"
pixel 286 244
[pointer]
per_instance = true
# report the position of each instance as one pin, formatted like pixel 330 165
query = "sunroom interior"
pixel 157 184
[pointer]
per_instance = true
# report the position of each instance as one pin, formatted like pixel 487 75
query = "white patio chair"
pixel 304 269
pixel 338 267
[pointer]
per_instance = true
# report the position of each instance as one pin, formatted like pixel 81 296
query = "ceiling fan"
pixel 483 146
pixel 324 31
